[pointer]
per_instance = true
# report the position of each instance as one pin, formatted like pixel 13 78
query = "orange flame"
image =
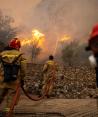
pixel 65 38
pixel 26 42
pixel 37 35
pixel 37 38
pixel 62 40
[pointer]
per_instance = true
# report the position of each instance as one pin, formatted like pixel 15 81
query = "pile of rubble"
pixel 71 82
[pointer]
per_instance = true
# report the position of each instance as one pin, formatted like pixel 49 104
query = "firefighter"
pixel 8 87
pixel 93 46
pixel 49 71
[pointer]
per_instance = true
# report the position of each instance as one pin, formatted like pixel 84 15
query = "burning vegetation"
pixel 37 39
pixel 65 38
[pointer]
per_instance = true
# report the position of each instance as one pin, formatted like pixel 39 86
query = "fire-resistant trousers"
pixel 7 95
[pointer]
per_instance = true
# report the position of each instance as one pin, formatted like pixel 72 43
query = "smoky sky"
pixel 58 17
pixel 54 17
pixel 20 10
pixel 75 17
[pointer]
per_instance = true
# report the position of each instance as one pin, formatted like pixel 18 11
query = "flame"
pixel 37 35
pixel 26 42
pixel 37 38
pixel 65 38
pixel 62 40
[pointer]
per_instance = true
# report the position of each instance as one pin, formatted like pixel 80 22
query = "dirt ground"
pixel 57 108
pixel 70 83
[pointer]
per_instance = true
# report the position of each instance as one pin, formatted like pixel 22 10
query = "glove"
pixel 92 61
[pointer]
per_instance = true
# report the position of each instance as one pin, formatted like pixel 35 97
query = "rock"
pixel 74 82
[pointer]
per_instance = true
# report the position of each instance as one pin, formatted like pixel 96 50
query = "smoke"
pixel 20 10
pixel 54 18
pixel 58 17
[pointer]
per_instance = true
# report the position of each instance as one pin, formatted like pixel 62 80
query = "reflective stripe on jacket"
pixel 9 56
pixel 50 66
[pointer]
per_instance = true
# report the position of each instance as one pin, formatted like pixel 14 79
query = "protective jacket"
pixel 49 71
pixel 49 66
pixel 9 56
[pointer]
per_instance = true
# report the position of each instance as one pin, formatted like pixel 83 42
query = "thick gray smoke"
pixel 58 17
pixel 54 18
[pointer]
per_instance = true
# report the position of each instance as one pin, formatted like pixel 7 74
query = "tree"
pixel 7 31
pixel 69 54
pixel 75 54
pixel 35 52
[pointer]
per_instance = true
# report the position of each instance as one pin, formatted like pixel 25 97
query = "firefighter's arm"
pixel 45 68
pixel 23 68
pixel 56 67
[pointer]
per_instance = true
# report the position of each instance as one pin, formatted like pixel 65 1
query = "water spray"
pixel 57 41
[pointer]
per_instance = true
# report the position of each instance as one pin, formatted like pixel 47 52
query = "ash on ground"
pixel 71 82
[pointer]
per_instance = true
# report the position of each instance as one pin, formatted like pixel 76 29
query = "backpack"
pixel 10 70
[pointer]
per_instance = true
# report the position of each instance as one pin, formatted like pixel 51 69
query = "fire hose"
pixel 16 97
pixel 35 98
pixel 9 114
pixel 31 98
pixel 48 85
